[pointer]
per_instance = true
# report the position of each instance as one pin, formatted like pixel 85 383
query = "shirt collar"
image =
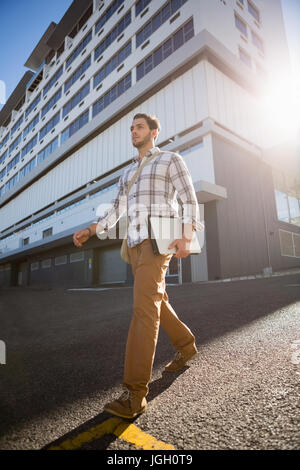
pixel 148 154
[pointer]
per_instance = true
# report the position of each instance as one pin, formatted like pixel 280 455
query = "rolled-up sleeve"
pixel 182 181
pixel 117 208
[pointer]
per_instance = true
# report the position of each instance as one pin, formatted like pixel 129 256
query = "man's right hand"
pixel 81 237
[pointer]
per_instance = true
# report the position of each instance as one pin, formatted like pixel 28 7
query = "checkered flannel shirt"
pixel 156 188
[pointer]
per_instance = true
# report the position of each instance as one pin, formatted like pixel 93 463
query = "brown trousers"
pixel 151 308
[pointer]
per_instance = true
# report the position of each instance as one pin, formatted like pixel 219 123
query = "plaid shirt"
pixel 156 188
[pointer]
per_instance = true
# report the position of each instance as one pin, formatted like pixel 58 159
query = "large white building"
pixel 64 137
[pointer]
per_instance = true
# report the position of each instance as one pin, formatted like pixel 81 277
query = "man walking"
pixel 156 187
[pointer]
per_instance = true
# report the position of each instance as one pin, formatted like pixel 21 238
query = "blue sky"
pixel 23 22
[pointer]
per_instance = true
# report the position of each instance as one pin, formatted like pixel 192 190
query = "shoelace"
pixel 125 395
pixel 178 356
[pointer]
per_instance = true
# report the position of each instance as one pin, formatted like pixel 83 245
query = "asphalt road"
pixel 64 361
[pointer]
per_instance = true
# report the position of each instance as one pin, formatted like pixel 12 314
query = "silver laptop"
pixel 164 230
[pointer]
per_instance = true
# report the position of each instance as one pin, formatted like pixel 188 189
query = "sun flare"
pixel 280 108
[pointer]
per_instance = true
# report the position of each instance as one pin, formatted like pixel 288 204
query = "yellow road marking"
pixel 120 428
pixel 139 438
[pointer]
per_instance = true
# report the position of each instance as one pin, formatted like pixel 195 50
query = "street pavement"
pixel 64 361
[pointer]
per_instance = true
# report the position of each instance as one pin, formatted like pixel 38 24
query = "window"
pixel 192 148
pixel 3 156
pixel 15 143
pixel 294 207
pixel 31 125
pixel 13 162
pixel 288 208
pixel 108 13
pixel 140 5
pixel 25 241
pixel 33 105
pixel 253 11
pixel 34 266
pixel 71 206
pixel 77 74
pixel 257 41
pixel 47 232
pixel 75 257
pixel 27 168
pixel 161 17
pixel 4 141
pixel 47 150
pixel 60 260
pixel 110 38
pixel 51 102
pixel 245 57
pixel 17 125
pixel 167 48
pixel 241 25
pixel 112 94
pixel 29 146
pixel 75 126
pixel 79 49
pixel 53 80
pixel 76 99
pixel 113 63
pixel 46 263
pixel 11 182
pixel 50 124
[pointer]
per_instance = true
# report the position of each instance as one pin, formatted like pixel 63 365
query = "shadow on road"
pixel 157 387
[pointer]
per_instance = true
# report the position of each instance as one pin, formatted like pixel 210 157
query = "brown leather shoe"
pixel 129 405
pixel 180 360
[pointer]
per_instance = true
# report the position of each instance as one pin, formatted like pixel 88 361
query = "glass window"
pixel 158 57
pixel 294 210
pixel 253 11
pixel 282 206
pixel 178 39
pixel 140 71
pixel 167 48
pixel 241 25
pixel 156 22
pixel 148 64
pixel 166 12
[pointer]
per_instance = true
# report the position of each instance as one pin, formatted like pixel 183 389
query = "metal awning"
pixel 41 50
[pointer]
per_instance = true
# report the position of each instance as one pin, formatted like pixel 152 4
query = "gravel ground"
pixel 65 354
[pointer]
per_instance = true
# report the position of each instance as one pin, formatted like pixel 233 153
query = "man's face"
pixel 141 134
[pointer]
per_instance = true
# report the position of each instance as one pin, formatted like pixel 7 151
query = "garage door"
pixel 112 269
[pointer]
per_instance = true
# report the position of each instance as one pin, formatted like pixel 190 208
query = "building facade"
pixel 65 138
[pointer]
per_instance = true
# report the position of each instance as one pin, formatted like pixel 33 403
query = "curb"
pixel 253 276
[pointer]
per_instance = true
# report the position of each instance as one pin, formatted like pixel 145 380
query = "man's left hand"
pixel 183 247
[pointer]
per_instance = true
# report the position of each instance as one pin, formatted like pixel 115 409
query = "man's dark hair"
pixel 152 121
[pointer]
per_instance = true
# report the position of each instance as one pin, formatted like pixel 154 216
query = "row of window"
pixel 162 16
pixel 59 72
pixel 64 209
pixel 288 208
pixel 242 27
pixel 58 260
pixel 252 9
pixel 167 48
pixel 108 68
pixel 112 64
pixel 114 34
pixel 79 96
